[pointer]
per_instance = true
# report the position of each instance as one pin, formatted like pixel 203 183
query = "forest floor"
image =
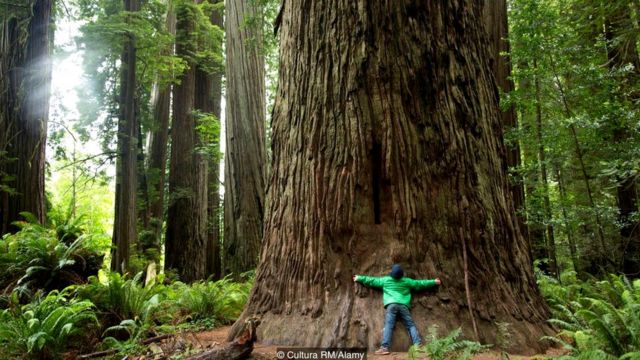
pixel 216 337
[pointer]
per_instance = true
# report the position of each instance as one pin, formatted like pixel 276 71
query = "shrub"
pixel 122 298
pixel 598 319
pixel 42 328
pixel 35 259
pixel 219 302
pixel 448 347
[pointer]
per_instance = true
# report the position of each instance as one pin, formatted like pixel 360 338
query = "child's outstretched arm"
pixel 370 281
pixel 423 284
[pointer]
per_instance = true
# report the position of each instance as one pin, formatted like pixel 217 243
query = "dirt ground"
pixel 268 352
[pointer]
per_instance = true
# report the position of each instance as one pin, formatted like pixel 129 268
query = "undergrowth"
pixel 42 328
pixel 447 347
pixel 50 304
pixel 40 258
pixel 598 319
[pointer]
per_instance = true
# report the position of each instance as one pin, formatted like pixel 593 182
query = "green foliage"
pixel 106 28
pixel 42 329
pixel 122 298
pixel 597 318
pixel 219 302
pixel 583 108
pixel 448 347
pixel 81 203
pixel 35 258
pixel 208 129
pixel 205 41
pixel 128 305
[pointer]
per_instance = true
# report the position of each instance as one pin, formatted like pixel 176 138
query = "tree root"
pixel 240 348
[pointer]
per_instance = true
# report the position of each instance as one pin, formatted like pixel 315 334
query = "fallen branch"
pixel 240 348
pixel 114 351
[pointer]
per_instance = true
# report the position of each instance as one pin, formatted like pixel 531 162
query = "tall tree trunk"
pixel 573 250
pixel 214 258
pixel 621 51
pixel 25 63
pixel 535 227
pixel 386 149
pixel 495 18
pixel 187 214
pixel 542 166
pixel 534 220
pixel 158 141
pixel 245 138
pixel 603 260
pixel 124 227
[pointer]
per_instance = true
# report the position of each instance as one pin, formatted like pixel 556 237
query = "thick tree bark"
pixel 621 51
pixel 386 149
pixel 158 141
pixel 187 213
pixel 25 65
pixel 495 18
pixel 214 256
pixel 245 139
pixel 124 228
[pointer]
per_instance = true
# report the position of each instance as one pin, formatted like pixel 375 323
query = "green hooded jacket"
pixel 396 291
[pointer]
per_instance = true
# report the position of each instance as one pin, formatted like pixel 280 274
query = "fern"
pixel 601 319
pixel 35 259
pixel 42 328
pixel 448 347
pixel 219 302
pixel 123 298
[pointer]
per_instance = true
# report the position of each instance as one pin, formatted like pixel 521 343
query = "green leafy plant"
pixel 35 258
pixel 448 347
pixel 42 328
pixel 122 299
pixel 598 319
pixel 211 303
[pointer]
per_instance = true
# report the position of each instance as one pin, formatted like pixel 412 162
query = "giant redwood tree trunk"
pixel 245 145
pixel 386 144
pixel 25 65
pixel 187 213
pixel 124 227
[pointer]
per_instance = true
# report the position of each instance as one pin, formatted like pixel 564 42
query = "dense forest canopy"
pixel 170 165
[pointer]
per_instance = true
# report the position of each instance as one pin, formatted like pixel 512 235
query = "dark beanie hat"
pixel 396 271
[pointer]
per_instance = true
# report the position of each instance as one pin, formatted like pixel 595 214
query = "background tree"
pixel 624 62
pixel 387 149
pixel 578 106
pixel 245 138
pixel 125 232
pixel 212 87
pixel 187 218
pixel 26 40
pixel 158 146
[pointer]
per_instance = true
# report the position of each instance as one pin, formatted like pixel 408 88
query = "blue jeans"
pixel 392 313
